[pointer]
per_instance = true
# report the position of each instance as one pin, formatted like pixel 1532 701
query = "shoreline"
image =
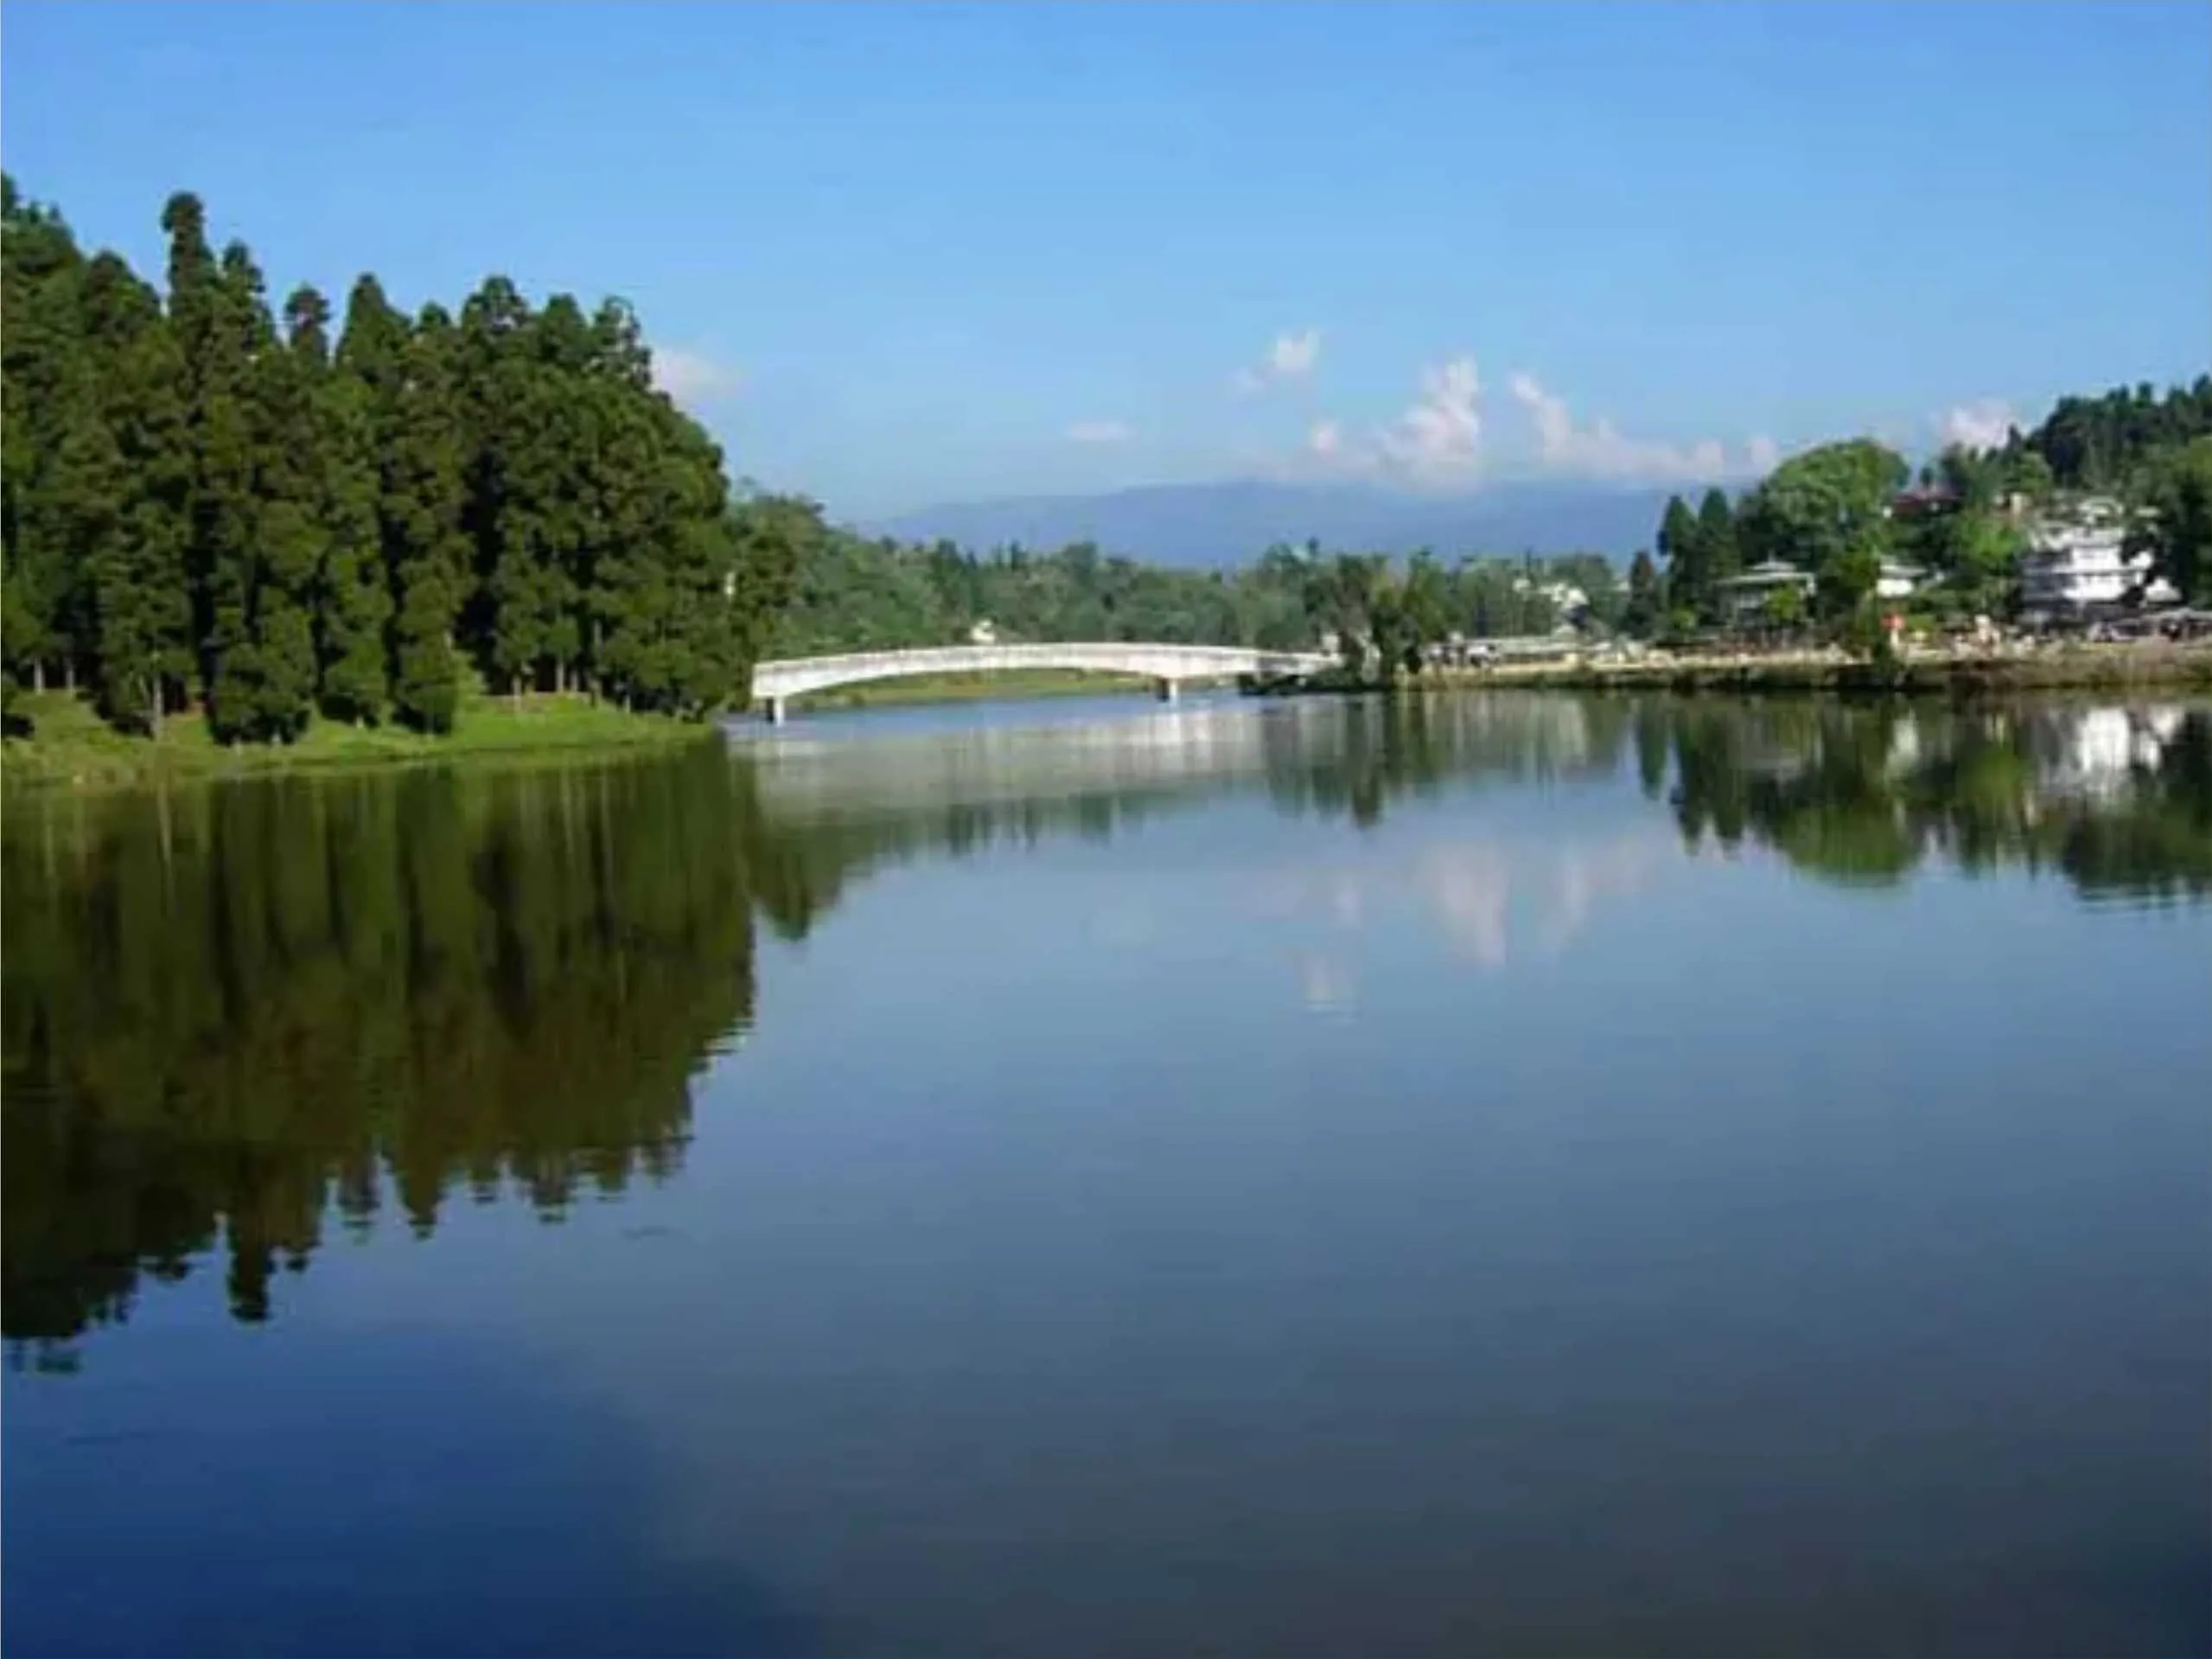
pixel 71 746
pixel 2104 668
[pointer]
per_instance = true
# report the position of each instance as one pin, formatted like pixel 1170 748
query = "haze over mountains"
pixel 1221 525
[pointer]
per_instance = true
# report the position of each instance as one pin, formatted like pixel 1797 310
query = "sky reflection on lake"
pixel 1503 1174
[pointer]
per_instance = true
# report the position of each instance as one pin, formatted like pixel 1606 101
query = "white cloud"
pixel 1600 450
pixel 1290 357
pixel 1098 432
pixel 1982 425
pixel 1439 438
pixel 692 377
pixel 1294 355
pixel 1436 441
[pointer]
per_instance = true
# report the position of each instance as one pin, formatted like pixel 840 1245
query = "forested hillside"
pixel 850 594
pixel 1833 510
pixel 2121 440
pixel 274 517
pixel 1827 509
pixel 1223 525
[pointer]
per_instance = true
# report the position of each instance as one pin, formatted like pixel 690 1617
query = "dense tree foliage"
pixel 1840 510
pixel 2115 441
pixel 2178 491
pixel 849 593
pixel 1647 597
pixel 202 503
pixel 1702 550
pixel 1828 509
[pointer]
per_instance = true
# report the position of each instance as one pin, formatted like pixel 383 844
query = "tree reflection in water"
pixel 2118 799
pixel 233 1010
pixel 236 1015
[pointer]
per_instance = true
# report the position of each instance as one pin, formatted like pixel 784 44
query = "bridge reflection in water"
pixel 1304 750
pixel 2118 798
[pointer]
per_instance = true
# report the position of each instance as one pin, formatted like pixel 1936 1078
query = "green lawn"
pixel 69 742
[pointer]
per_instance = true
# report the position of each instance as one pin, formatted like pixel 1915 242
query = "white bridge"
pixel 1166 666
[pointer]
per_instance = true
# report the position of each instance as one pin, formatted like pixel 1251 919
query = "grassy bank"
pixel 70 745
pixel 2076 668
pixel 973 687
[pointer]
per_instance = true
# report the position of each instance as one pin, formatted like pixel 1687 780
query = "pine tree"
pixel 226 522
pixel 711 658
pixel 1719 556
pixel 351 597
pixel 627 503
pixel 288 472
pixel 1682 545
pixel 218 329
pixel 373 349
pixel 625 601
pixel 510 486
pixel 186 498
pixel 564 349
pixel 50 405
pixel 772 538
pixel 618 476
pixel 139 576
pixel 425 505
pixel 397 383
pixel 1646 603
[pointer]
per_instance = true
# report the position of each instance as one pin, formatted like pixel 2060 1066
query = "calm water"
pixel 1518 1175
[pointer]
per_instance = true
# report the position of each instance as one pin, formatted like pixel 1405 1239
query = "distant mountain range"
pixel 1208 527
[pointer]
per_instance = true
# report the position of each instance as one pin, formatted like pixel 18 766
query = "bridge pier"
pixel 1165 690
pixel 774 709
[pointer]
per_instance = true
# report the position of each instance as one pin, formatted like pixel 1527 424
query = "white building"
pixel 2077 558
pixel 1567 600
pixel 1747 594
pixel 983 633
pixel 1898 579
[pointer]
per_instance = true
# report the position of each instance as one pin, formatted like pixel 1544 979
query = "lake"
pixel 1496 1174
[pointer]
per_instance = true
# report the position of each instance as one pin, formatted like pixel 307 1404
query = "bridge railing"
pixel 1226 655
pixel 789 674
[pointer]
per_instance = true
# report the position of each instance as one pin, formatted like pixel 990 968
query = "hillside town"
pixel 2083 562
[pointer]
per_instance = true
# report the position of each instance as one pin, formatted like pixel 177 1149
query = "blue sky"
pixel 910 253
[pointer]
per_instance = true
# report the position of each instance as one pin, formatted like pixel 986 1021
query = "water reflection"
pixel 1481 896
pixel 236 1017
pixel 235 1014
pixel 2118 799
